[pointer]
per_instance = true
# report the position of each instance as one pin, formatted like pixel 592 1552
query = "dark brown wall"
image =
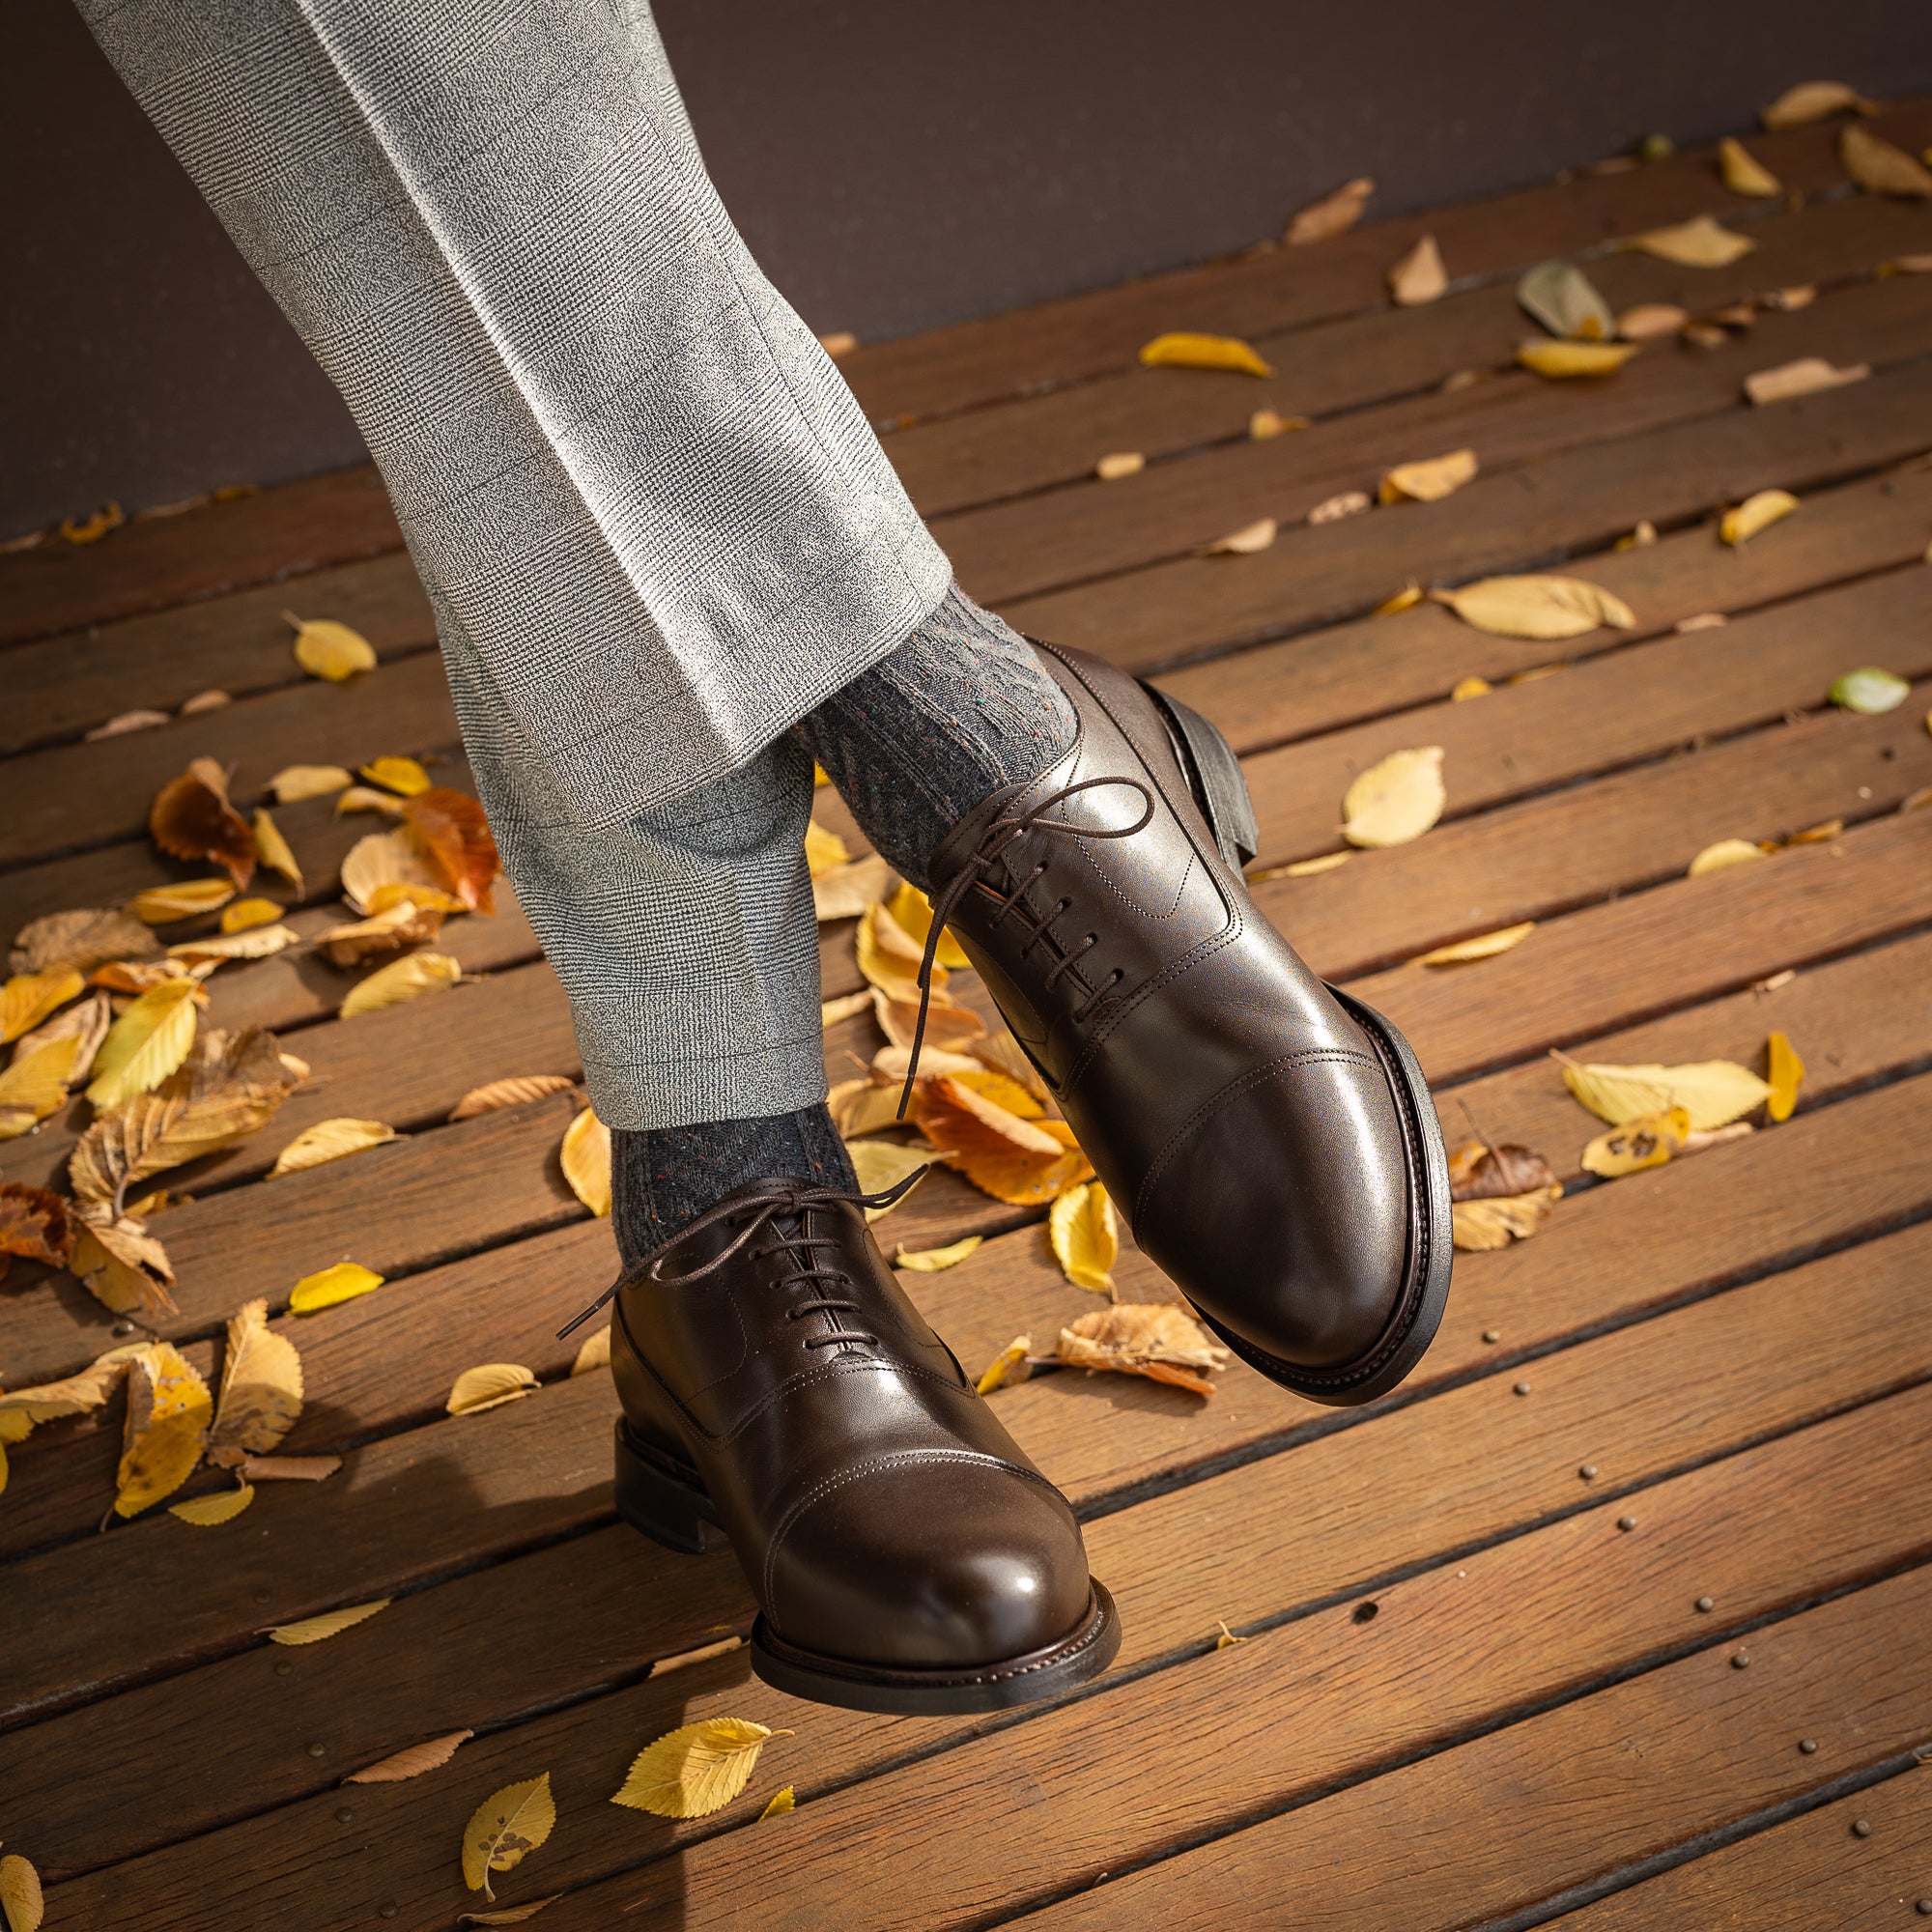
pixel 895 164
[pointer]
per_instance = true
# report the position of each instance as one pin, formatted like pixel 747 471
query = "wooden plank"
pixel 1268 289
pixel 1038 441
pixel 1506 1823
pixel 239 643
pixel 1612 710
pixel 1172 614
pixel 1858 1865
pixel 1378 1486
pixel 1305 684
pixel 154 562
pixel 1032 545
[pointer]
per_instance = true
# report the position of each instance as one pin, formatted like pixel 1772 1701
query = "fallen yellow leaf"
pixel 327 649
pixel 343 1282
pixel 1246 541
pixel 1486 945
pixel 824 850
pixel 145 1044
pixel 261 1395
pixel 72 1395
pixel 1743 173
pixel 329 1140
pixel 330 1623
pixel 517 1914
pixel 781 1800
pixel 91 529
pixel 385 858
pixel 253 942
pixel 1009 1365
pixel 28 998
pixel 1754 514
pixel 695 1770
pixel 1430 480
pixel 846 891
pixel 1024 1163
pixel 506 1826
pixel 489 1386
pixel 244 914
pixel 1651 322
pixel 949 1028
pixel 1786 1074
pixel 1119 465
pixel 1333 509
pixel 1085 1236
pixel 35 1083
pixel 584 1156
pixel 368 797
pixel 1404 599
pixel 168 1409
pixel 1712 1091
pixel 1723 856
pixel 1183 351
pixel 1560 360
pixel 272 850
pixel 888 956
pixel 595 1353
pixel 1880 168
pixel 1334 214
pixel 294 782
pixel 184 898
pixel 863 1106
pixel 1700 243
pixel 1813 101
pixel 1153 1339
pixel 516 1092
pixel 412 1761
pixel 912 910
pixel 1648 1141
pixel 1565 300
pixel 1396 799
pixel 1301 868
pixel 1466 687
pixel 405 978
pixel 20 1897
pixel 1804 377
pixel 1495 1222
pixel 224 1506
pixel 1266 424
pixel 1536 607
pixel 936 1260
pixel 402 776
pixel 880 1165
pixel 119 1263
pixel 1419 276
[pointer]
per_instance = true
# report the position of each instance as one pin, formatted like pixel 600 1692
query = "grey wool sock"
pixel 959 709
pixel 662 1178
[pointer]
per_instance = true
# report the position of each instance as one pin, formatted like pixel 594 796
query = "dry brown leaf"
pixel 1648 1141
pixel 231 1084
pixel 1025 1163
pixel 1247 541
pixel 1538 607
pixel 1333 509
pixel 1479 1226
pixel 36 1082
pixel 253 942
pixel 1419 276
pixel 1784 1075
pixel 516 1092
pixel 272 849
pixel 1880 168
pixel 34 1225
pixel 1754 514
pixel 1085 1236
pixel 327 649
pixel 1804 377
pixel 1008 1367
pixel 1144 1338
pixel 119 1263
pixel 1651 322
pixel 1813 101
pixel 489 1386
pixel 329 1140
pixel 145 1044
pixel 517 1914
pixel 405 979
pixel 846 891
pixel 330 1623
pixel 1479 1172
pixel 412 1761
pixel 1559 360
pixel 1184 350
pixel 950 1028
pixel 290 1468
pixel 695 1770
pixel 83 940
pixel 1119 465
pixel 29 998
pixel 585 1159
pixel 183 898
pixel 1565 300
pixel 72 1395
pixel 168 1408
pixel 1396 799
pixel 343 1282
pixel 91 529
pixel 394 929
pixel 294 782
pixel 1429 481
pixel 123 721
pixel 1700 243
pixel 1334 214
pixel 456 836
pixel 261 1398
pixel 1485 946
pixel 191 818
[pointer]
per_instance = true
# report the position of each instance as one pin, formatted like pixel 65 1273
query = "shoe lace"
pixel 781 1201
pixel 995 842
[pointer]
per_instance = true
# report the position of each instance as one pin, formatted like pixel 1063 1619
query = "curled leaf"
pixel 936 1260
pixel 1700 243
pixel 1869 690
pixel 683 1659
pixel 1429 481
pixel 516 1092
pixel 456 836
pixel 368 797
pixel 1880 168
pixel 1565 300
pixel 1153 1339
pixel 1786 1075
pixel 888 956
pixel 595 1353
pixel 1754 514
pixel 517 1914
pixel 28 998
pixel 1536 607
pixel 1723 856
pixel 1246 541
pixel 330 1623
pixel 1813 101
pixel 343 1282
pixel 223 1506
pixel 397 774
pixel 184 898
pixel 244 914
pixel 1805 377
pixel 327 649
pixel 1743 173
pixel 1084 1234
pixel 1333 509
pixel 880 1165
pixel 949 1028
pixel 272 849
pixel 119 1263
pixel 1557 361
pixel 1396 799
pixel 1334 214
pixel 168 1409
pixel 1119 465
pixel 489 1386
pixel 396 858
pixel 261 1396
pixel 1479 1172
pixel 1485 946
pixel 1025 1163
pixel 1495 1222
pixel 1651 322
pixel 294 782
pixel 329 1140
pixel 191 818
pixel 1010 1365
pixel 863 1106
pixel 412 1761
pixel 695 1770
pixel 405 978
pixel 393 929
pixel 846 891
pixel 781 1800
pixel 36 1084
pixel 253 942
pixel 585 1159
pixel 145 1044
pixel 20 1897
pixel 913 911
pixel 1182 351
pixel 1648 1141
pixel 34 1223
pixel 1419 276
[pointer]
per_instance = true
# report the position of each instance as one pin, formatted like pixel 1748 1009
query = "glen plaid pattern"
pixel 655 525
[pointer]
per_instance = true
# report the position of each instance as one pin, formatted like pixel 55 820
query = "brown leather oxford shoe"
pixel 779 1386
pixel 1270 1140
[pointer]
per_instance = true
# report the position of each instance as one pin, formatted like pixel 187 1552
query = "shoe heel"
pixel 1214 775
pixel 653 1500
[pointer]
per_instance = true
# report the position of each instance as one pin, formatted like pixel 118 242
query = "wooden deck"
pixel 1476 1686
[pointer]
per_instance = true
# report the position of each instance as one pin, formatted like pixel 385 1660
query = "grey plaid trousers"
pixel 655 525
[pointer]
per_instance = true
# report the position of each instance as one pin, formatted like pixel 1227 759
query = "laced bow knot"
pixel 998 836
pixel 764 1208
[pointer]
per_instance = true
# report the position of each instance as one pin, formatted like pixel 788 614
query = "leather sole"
pixel 673 1508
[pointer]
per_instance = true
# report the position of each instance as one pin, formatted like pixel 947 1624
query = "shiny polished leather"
pixel 1261 1139
pixel 889 1527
